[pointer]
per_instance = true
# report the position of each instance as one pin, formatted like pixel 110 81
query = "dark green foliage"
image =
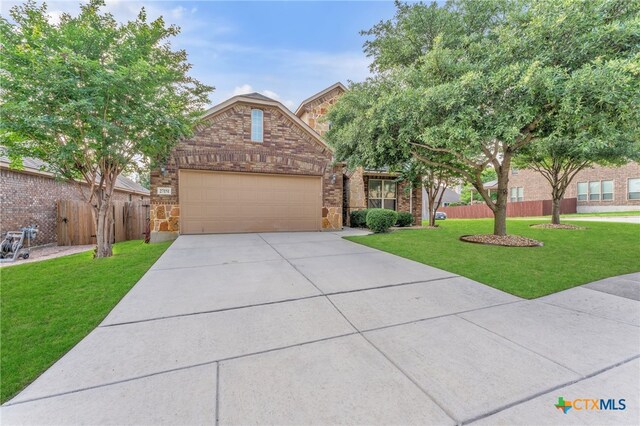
pixel 404 219
pixel 380 220
pixel 359 218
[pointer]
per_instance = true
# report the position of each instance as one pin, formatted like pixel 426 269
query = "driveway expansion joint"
pixel 586 312
pixel 404 373
pixel 273 302
pixel 545 392
pixel 522 346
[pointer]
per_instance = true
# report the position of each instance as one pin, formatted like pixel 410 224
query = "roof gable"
pixel 261 100
pixel 307 101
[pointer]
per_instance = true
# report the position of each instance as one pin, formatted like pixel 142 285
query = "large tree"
pixel 595 117
pixel 483 89
pixel 90 96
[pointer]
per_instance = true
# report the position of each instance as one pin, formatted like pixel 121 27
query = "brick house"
pixel 254 166
pixel 597 189
pixel 28 197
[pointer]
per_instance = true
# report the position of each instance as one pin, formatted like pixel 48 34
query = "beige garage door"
pixel 212 202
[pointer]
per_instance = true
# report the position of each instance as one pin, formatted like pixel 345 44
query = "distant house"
pixel 597 189
pixel 449 196
pixel 28 197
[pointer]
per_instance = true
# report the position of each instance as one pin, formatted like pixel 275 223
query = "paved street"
pixel 308 328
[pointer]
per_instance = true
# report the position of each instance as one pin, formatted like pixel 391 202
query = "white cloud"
pixel 273 95
pixel 178 12
pixel 242 90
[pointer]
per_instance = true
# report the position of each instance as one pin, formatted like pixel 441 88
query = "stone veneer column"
pixel 164 222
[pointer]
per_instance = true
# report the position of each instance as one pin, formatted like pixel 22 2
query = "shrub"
pixel 380 220
pixel 359 218
pixel 404 219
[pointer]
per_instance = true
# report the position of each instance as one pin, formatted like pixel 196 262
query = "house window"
pixel 594 191
pixel 382 194
pixel 517 194
pixel 256 125
pixel 633 186
pixel 607 190
pixel 583 191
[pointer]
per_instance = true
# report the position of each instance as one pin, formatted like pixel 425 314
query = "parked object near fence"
pixel 518 209
pixel 76 226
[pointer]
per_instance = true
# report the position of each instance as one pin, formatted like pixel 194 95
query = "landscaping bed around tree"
pixel 558 226
pixel 47 307
pixel 566 260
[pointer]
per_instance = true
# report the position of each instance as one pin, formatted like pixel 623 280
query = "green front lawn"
pixel 568 258
pixel 47 307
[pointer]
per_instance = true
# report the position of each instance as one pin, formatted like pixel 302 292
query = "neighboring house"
pixel 597 189
pixel 449 196
pixel 28 197
pixel 254 166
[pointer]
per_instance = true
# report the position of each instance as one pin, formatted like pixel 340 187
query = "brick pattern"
pixel 223 143
pixel 536 186
pixel 314 111
pixel 410 201
pixel 30 199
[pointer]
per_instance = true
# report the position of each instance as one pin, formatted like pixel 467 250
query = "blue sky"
pixel 286 50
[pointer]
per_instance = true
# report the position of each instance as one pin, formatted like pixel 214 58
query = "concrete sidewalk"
pixel 308 328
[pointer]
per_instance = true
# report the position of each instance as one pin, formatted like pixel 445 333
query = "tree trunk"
pixel 500 221
pixel 432 209
pixel 557 194
pixel 500 206
pixel 555 210
pixel 104 223
pixel 104 217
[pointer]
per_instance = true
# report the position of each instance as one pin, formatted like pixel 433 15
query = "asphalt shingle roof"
pixel 39 166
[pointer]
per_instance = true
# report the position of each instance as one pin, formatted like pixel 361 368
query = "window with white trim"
pixel 256 125
pixel 517 194
pixel 382 194
pixel 633 189
pixel 594 191
pixel 583 191
pixel 607 190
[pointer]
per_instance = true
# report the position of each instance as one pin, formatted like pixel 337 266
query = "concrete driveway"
pixel 302 328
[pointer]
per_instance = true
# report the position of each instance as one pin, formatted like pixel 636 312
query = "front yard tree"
pixel 89 96
pixel 485 88
pixel 596 111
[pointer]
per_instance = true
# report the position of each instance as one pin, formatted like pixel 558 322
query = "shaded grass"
pixel 569 257
pixel 47 307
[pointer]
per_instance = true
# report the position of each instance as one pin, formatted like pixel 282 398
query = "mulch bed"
pixel 506 241
pixel 559 226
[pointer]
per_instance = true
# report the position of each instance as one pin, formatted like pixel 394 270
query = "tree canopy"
pixel 89 96
pixel 469 85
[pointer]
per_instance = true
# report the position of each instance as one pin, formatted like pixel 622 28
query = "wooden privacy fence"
pixel 519 209
pixel 76 226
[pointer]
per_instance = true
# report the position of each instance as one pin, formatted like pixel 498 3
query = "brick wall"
pixel 30 199
pixel 223 143
pixel 536 186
